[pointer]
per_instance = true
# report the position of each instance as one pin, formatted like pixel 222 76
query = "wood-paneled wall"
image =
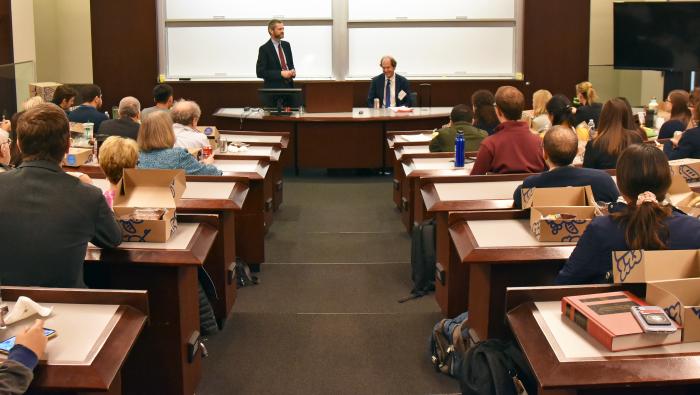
pixel 125 58
pixel 8 99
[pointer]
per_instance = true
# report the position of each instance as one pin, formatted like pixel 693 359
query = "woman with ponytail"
pixel 560 111
pixel 589 108
pixel 642 222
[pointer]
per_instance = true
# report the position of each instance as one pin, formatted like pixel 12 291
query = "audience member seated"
pixel 612 137
pixel 5 154
pixel 5 128
pixel 589 108
pixel 64 97
pixel 156 142
pixel 561 112
pixel 88 110
pixel 680 114
pixel 31 102
pixel 686 145
pixel 49 208
pixel 633 120
pixel 512 148
pixel 560 148
pixel 116 154
pixel 460 119
pixel 185 116
pixel 484 114
pixel 694 97
pixel 16 373
pixel 641 223
pixel 540 120
pixel 394 93
pixel 15 154
pixel 163 98
pixel 128 123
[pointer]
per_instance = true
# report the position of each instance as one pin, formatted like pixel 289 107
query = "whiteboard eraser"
pixel 184 79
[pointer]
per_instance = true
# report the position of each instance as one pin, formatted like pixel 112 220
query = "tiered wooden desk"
pixel 442 195
pixel 496 249
pixel 567 361
pixel 224 198
pixel 279 141
pixel 161 363
pixel 96 331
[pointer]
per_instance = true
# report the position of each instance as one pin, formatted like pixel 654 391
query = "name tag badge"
pixel 401 95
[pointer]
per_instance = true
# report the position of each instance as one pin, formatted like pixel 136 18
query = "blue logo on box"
pixel 70 159
pixel 208 131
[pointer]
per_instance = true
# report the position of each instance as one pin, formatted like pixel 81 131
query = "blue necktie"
pixel 387 94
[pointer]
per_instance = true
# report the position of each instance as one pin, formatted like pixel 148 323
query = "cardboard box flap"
pixel 639 266
pixel 209 131
pixel 674 296
pixel 150 188
pixel 557 197
pixel 688 168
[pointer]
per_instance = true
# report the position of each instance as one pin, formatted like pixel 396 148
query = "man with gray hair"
pixel 129 120
pixel 185 114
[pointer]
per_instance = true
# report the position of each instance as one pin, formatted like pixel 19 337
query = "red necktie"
pixel 282 61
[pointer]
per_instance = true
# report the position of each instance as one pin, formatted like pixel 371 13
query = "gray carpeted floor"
pixel 325 318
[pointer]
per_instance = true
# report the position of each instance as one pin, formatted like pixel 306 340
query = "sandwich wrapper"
pixel 148 189
pixel 545 202
pixel 25 307
pixel 672 280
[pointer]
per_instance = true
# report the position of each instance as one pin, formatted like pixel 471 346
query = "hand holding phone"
pixel 34 338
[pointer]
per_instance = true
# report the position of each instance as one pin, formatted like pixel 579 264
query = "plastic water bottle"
pixel 653 105
pixel 459 149
pixel 650 117
pixel 591 129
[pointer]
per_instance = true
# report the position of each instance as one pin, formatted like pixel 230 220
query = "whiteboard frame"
pixel 340 40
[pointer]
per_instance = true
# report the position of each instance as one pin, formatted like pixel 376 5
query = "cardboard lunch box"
pixel 212 133
pixel 640 266
pixel 542 202
pixel 77 157
pixel 688 168
pixel 148 188
pixel 681 196
pixel 44 89
pixel 680 299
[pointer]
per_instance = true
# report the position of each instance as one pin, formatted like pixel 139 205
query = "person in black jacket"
pixel 687 145
pixel 128 123
pixel 589 108
pixel 391 89
pixel 275 63
pixel 680 113
pixel 49 216
pixel 612 138
pixel 560 148
pixel 88 111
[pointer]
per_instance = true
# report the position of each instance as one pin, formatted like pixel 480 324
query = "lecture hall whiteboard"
pixel 342 39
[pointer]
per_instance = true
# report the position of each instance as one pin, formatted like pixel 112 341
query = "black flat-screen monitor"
pixel 280 100
pixel 657 36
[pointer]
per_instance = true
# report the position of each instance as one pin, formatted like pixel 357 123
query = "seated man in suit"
pixel 49 216
pixel 163 98
pixel 460 119
pixel 391 89
pixel 88 110
pixel 128 123
pixel 560 149
pixel 185 114
pixel 512 148
pixel 275 63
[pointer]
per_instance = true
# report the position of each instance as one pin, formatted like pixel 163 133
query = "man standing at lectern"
pixel 275 63
pixel 390 88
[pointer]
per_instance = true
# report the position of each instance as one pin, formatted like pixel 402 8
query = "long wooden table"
pixel 161 362
pixel 670 370
pixel 87 356
pixel 336 140
pixel 494 250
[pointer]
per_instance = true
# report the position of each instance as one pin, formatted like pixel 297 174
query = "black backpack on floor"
pixel 422 260
pixel 449 343
pixel 495 367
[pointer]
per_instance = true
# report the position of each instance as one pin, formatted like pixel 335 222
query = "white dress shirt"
pixel 392 91
pixel 189 138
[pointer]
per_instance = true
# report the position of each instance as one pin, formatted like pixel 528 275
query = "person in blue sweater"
pixel 16 373
pixel 560 148
pixel 641 223
pixel 687 145
pixel 156 139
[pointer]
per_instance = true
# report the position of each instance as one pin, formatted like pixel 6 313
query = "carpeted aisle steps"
pixel 325 318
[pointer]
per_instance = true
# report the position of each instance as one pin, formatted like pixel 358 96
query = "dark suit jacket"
pixel 603 186
pixel 124 127
pixel 376 91
pixel 84 114
pixel 688 146
pixel 48 219
pixel 269 68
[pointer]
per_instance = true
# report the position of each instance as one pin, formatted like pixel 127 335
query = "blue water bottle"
pixel 459 149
